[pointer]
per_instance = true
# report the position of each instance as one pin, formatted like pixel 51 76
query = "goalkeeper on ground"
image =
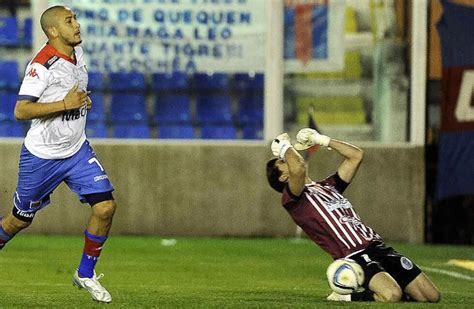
pixel 329 220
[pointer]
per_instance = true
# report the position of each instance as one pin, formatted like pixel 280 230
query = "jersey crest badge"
pixel 406 263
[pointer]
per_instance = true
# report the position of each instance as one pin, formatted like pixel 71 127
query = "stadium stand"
pixel 127 82
pixel 211 82
pixel 27 34
pixel 12 129
pixel 252 132
pixel 97 112
pixel 9 75
pixel 96 81
pixel 218 132
pixel 131 131
pixel 332 110
pixel 174 81
pixel 250 116
pixel 214 109
pixel 7 106
pixel 179 96
pixel 8 31
pixel 248 82
pixel 176 131
pixel 251 110
pixel 128 109
pixel 173 109
pixel 96 129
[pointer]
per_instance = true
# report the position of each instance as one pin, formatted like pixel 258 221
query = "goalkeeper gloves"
pixel 309 137
pixel 280 145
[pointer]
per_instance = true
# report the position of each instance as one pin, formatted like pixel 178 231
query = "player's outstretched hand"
pixel 75 98
pixel 309 137
pixel 280 145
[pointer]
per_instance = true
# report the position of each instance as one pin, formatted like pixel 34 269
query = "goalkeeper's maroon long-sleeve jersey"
pixel 328 218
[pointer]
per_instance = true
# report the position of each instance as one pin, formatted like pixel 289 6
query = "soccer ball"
pixel 345 276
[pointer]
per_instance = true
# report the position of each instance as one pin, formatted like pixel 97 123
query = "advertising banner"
pixel 172 35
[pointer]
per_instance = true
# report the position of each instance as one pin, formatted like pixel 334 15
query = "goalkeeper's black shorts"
pixel 378 257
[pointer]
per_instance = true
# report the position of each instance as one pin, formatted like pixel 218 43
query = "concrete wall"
pixel 220 189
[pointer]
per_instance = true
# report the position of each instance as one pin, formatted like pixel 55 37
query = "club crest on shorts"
pixel 406 263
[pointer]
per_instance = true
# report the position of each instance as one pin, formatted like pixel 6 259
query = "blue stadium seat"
pixel 252 132
pixel 176 131
pixel 128 108
pixel 214 109
pixel 131 131
pixel 96 129
pixel 169 81
pixel 172 109
pixel 97 112
pixel 96 81
pixel 249 82
pixel 218 132
pixel 27 38
pixel 12 129
pixel 251 110
pixel 7 106
pixel 123 82
pixel 216 81
pixel 9 75
pixel 8 31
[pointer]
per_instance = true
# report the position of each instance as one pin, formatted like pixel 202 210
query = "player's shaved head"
pixel 49 18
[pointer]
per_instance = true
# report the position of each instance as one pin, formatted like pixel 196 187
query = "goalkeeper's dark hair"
pixel 273 175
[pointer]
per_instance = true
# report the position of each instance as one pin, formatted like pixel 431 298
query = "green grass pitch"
pixel 36 271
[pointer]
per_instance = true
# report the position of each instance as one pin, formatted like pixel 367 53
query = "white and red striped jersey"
pixel 48 78
pixel 328 218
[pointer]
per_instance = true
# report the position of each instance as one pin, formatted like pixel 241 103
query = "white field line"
pixel 449 273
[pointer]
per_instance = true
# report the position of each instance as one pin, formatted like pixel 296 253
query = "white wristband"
pixel 284 146
pixel 324 140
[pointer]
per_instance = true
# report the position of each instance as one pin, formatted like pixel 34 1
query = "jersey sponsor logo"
pixel 332 200
pixel 74 114
pixel 406 263
pixel 101 177
pixel 32 73
pixel 51 61
pixel 24 214
pixel 334 204
pixel 350 220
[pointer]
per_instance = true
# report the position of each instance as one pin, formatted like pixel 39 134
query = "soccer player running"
pixel 330 221
pixel 54 96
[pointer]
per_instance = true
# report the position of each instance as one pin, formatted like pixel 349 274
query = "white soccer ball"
pixel 345 276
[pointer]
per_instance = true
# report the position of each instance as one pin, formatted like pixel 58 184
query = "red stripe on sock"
pixel 92 248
